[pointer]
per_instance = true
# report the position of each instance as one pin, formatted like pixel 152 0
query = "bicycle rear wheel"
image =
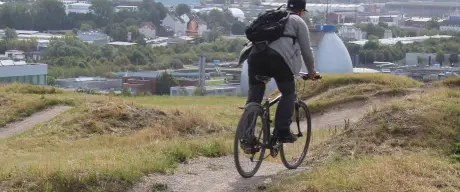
pixel 293 154
pixel 249 126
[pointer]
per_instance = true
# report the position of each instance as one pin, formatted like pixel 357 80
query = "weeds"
pixel 31 89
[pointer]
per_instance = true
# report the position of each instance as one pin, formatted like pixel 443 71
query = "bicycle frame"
pixel 270 141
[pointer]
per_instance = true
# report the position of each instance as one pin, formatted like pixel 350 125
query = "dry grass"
pixel 350 93
pixel 424 120
pixel 30 89
pixel 119 118
pixel 409 172
pixel 15 107
pixel 383 81
pixel 409 145
pixel 107 144
pixel 449 82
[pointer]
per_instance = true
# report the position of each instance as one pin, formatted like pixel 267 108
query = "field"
pixel 412 144
pixel 108 143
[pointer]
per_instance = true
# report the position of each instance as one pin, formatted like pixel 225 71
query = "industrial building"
pixel 22 72
pixel 145 81
pixel 422 8
pixel 95 83
pixel 404 40
pixel 311 7
pixel 77 8
pixel 95 37
pixel 210 90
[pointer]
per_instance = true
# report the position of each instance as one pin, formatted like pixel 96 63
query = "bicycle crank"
pixel 275 149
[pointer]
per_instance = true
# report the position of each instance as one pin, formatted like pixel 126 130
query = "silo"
pixel 332 55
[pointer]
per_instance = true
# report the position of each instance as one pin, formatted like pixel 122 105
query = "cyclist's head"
pixel 298 6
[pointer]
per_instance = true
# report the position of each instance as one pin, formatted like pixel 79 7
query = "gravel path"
pixel 210 175
pixel 219 174
pixel 29 122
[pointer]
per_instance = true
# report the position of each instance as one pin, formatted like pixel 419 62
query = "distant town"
pixel 126 46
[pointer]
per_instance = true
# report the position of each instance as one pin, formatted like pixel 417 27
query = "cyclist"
pixel 281 59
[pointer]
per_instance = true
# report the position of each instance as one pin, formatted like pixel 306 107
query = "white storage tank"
pixel 332 55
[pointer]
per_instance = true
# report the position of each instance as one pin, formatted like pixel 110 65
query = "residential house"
pixel 148 30
pixel 196 26
pixel 178 24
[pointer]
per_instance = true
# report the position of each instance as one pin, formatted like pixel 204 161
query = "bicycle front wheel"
pixel 249 159
pixel 293 154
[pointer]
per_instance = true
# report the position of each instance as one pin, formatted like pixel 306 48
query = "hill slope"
pixel 409 145
pixel 108 143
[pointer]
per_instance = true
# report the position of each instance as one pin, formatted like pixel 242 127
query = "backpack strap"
pixel 294 38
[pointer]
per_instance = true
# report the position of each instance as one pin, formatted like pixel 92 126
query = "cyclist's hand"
pixel 314 76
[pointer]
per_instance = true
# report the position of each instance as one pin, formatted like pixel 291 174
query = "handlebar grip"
pixel 306 77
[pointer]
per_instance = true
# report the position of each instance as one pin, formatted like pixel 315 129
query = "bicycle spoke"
pixel 249 157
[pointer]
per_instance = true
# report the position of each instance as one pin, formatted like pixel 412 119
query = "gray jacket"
pixel 293 54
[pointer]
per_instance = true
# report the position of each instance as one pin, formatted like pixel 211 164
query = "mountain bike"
pixel 248 127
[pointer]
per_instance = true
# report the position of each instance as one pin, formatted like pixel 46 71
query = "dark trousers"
pixel 267 62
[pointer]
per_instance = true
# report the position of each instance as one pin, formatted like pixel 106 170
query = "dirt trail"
pixel 219 174
pixel 29 122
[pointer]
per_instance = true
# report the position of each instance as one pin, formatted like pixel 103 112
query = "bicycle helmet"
pixel 297 4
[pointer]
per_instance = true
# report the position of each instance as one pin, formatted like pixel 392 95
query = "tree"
pixel 352 48
pixel 85 27
pixel 50 80
pixel 49 14
pixel 125 92
pixel 372 43
pixel 433 23
pixel 199 91
pixel 103 10
pixel 117 31
pixel 182 9
pixel 164 83
pixel 372 29
pixel 420 60
pixel 440 57
pixel 453 58
pixel 238 28
pixel 10 34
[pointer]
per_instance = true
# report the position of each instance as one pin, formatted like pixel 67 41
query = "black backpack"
pixel 268 26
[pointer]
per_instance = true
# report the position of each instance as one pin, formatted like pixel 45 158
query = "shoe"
pixel 287 138
pixel 249 145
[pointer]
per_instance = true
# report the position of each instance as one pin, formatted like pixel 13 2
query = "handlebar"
pixel 305 76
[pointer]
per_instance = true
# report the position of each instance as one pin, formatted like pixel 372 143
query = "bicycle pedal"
pixel 251 150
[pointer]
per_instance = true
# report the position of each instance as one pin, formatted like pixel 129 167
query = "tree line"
pixel 69 57
pixel 46 15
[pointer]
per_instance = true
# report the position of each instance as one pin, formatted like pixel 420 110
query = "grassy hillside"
pixel 20 101
pixel 108 143
pixel 410 145
pixel 341 88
